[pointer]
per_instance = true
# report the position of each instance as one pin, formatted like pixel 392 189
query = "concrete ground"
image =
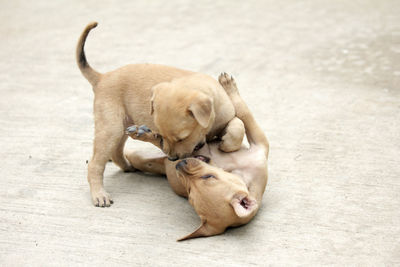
pixel 322 78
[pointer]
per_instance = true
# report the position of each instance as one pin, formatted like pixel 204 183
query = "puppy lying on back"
pixel 184 107
pixel 225 189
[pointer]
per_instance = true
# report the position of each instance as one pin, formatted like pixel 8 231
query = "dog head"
pixel 183 117
pixel 221 199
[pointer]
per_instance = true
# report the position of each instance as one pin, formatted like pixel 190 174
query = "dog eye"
pixel 207 176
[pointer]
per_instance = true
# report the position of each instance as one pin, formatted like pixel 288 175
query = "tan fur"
pixel 237 179
pixel 186 107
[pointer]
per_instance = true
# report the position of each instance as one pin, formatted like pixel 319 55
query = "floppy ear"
pixel 202 110
pixel 152 105
pixel 154 90
pixel 244 206
pixel 204 230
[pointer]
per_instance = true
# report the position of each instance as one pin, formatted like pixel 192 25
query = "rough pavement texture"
pixel 322 78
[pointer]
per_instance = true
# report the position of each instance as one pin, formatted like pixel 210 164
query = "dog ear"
pixel 244 206
pixel 153 95
pixel 202 110
pixel 204 230
pixel 152 105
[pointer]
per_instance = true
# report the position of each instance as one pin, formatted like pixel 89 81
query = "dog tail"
pixel 90 74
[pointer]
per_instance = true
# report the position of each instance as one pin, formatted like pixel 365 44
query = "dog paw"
pixel 229 146
pixel 137 131
pixel 233 135
pixel 101 198
pixel 142 133
pixel 228 83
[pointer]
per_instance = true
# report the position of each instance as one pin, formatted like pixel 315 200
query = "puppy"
pixel 225 189
pixel 184 107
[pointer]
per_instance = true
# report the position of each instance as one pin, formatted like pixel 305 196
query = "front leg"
pixel 155 164
pixel 254 133
pixel 143 133
pixel 137 160
pixel 232 137
pixel 234 132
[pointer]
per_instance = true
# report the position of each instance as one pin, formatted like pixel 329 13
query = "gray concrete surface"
pixel 322 78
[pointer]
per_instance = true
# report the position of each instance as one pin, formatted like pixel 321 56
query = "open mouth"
pixel 202 158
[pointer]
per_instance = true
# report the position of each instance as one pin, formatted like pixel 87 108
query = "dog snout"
pixel 181 164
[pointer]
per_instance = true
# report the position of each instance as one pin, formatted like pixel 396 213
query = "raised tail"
pixel 90 74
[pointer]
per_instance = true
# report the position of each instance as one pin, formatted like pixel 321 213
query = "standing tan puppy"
pixel 184 107
pixel 225 189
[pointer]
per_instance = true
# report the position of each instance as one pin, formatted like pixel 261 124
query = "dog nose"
pixel 181 164
pixel 173 158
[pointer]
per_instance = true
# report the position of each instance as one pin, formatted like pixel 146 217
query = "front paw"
pixel 101 198
pixel 230 145
pixel 139 132
pixel 233 137
pixel 228 83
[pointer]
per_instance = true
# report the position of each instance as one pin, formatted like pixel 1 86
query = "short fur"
pixel 227 191
pixel 185 107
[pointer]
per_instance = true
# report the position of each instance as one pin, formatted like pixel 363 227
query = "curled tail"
pixel 90 74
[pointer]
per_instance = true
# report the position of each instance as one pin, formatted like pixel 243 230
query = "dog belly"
pixel 245 158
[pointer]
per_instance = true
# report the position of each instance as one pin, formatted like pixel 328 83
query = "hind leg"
pixel 108 143
pixel 119 158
